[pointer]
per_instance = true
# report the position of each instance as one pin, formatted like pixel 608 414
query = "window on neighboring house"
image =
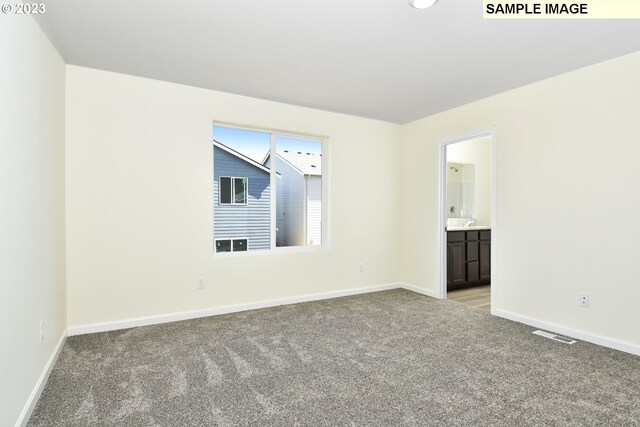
pixel 231 245
pixel 285 206
pixel 233 191
pixel 239 245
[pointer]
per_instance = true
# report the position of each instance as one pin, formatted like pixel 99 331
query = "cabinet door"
pixel 455 264
pixel 485 261
pixel 472 251
pixel 473 271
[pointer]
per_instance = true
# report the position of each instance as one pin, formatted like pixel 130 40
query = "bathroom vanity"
pixel 468 257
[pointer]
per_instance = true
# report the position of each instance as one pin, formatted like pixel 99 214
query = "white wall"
pixel 564 145
pixel 478 153
pixel 139 201
pixel 32 250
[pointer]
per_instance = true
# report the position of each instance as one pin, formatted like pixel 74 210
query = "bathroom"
pixel 468 205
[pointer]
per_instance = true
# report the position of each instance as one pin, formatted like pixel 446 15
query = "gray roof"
pixel 307 163
pixel 240 155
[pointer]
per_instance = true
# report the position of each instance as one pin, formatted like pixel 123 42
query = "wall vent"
pixel 555 337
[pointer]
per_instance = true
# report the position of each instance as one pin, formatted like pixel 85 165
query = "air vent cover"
pixel 555 337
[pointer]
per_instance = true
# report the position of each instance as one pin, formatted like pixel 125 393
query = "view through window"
pixel 267 190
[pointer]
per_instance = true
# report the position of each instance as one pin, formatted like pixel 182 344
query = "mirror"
pixel 460 190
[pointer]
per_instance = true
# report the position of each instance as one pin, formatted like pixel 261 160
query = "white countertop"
pixel 471 228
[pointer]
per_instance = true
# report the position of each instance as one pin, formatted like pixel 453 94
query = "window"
pixel 239 245
pixel 285 204
pixel 223 245
pixel 231 245
pixel 233 191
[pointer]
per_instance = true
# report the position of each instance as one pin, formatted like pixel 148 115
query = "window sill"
pixel 276 251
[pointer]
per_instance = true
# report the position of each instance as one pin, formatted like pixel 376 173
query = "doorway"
pixel 467 219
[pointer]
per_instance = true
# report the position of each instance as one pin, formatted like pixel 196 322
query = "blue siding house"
pixel 242 202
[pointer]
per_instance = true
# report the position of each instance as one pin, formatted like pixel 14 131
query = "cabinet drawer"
pixel 455 236
pixel 485 235
pixel 473 251
pixel 472 235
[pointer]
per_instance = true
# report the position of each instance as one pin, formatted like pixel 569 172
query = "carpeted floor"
pixel 383 359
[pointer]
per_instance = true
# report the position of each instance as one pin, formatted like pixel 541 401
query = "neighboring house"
pixel 298 198
pixel 242 201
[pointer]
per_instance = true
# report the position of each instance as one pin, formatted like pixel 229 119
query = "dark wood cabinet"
pixel 456 273
pixel 485 261
pixel 468 258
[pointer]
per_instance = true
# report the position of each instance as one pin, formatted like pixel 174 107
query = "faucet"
pixel 470 222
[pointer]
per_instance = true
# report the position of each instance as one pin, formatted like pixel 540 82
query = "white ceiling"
pixel 373 58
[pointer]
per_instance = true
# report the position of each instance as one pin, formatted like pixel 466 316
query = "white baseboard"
pixel 186 315
pixel 23 419
pixel 625 346
pixel 423 291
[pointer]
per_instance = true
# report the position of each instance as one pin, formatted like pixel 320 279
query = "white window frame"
pixel 233 191
pixel 325 246
pixel 231 239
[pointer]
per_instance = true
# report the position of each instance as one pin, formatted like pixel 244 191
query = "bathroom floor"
pixel 479 296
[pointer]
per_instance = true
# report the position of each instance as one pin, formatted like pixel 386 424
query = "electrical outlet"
pixel 584 300
pixel 41 330
pixel 361 267
pixel 200 282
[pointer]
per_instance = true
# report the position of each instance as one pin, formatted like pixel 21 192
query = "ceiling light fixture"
pixel 422 4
